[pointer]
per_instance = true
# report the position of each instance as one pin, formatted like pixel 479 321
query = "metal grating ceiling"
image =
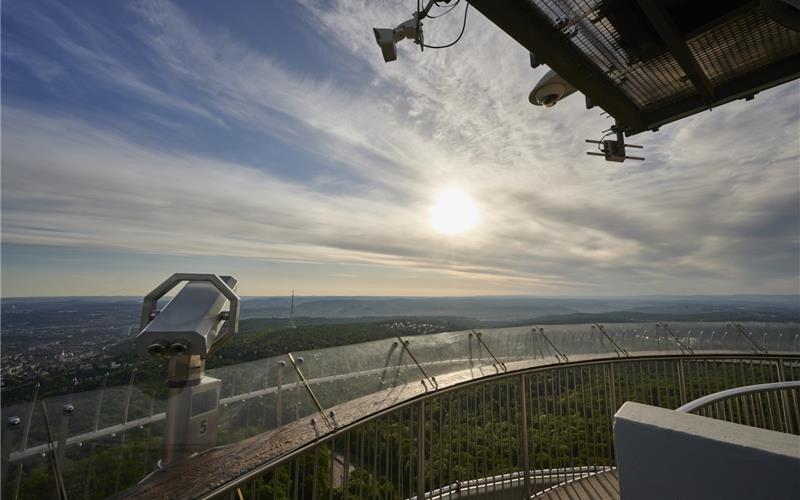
pixel 742 45
pixel 651 62
pixel 655 82
pixel 739 46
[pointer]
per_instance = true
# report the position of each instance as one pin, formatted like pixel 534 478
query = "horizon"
pixel 143 138
pixel 501 296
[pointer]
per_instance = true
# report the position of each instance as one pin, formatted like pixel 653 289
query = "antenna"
pixel 614 150
pixel 291 313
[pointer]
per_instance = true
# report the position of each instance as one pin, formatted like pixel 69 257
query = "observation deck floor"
pixel 602 486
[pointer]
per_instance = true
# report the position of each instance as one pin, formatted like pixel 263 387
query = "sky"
pixel 269 140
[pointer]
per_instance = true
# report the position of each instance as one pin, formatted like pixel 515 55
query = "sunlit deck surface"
pixel 601 486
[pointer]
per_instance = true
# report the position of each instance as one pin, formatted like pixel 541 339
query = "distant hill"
pixel 501 308
pixel 517 308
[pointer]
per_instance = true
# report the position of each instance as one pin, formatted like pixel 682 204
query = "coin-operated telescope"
pixel 184 333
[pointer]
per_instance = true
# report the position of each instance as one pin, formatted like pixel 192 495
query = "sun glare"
pixel 454 212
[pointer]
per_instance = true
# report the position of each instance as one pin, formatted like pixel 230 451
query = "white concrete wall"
pixel 664 454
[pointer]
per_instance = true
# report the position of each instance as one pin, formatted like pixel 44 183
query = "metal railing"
pixel 122 425
pixel 516 433
pixel 769 406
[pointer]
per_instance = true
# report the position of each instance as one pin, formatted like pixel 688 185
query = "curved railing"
pixel 767 405
pixel 122 425
pixel 518 431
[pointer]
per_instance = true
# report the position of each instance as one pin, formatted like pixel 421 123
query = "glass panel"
pixel 124 424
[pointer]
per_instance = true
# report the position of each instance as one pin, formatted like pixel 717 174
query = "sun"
pixel 454 212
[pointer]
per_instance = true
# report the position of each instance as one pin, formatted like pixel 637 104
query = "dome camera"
pixel 550 89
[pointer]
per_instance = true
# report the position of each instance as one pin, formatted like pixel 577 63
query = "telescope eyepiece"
pixel 157 349
pixel 178 348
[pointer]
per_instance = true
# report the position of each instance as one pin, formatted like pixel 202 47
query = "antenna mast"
pixel 291 313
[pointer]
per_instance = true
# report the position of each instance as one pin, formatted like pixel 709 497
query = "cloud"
pixel 714 209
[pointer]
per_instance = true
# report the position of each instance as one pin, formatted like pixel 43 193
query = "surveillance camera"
pixel 190 323
pixel 549 100
pixel 385 39
pixel 550 89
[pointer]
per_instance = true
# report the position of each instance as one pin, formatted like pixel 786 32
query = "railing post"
pixel 63 431
pixel 526 469
pixel 61 490
pixel 784 398
pixel 346 471
pixel 612 387
pixel 279 403
pixel 97 412
pixel 421 450
pixel 99 408
pixel 125 413
pixel 10 431
pixel 24 440
pixel 681 382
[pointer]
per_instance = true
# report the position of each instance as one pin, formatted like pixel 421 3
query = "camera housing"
pixel 550 89
pixel 387 43
pixel 387 38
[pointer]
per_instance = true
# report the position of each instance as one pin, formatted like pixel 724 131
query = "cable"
pixel 445 12
pixel 600 146
pixel 463 27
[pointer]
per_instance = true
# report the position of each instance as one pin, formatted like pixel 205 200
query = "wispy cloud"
pixel 714 209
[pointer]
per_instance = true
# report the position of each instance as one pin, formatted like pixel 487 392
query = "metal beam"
pixel 666 29
pixel 724 18
pixel 761 79
pixel 526 24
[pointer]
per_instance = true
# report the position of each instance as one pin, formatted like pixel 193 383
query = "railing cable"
pixel 683 347
pixel 431 380
pixel 621 351
pixel 310 392
pixel 54 459
pixel 759 349
pixel 559 354
pixel 479 336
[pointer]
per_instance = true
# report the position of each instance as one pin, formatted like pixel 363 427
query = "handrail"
pixel 272 458
pixel 286 457
pixel 26 452
pixel 433 363
pixel 737 391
